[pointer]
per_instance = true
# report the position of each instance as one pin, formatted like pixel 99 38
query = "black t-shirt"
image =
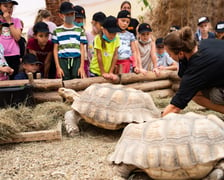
pixel 203 70
pixel 133 25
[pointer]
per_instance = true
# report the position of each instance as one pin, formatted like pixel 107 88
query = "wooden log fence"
pixel 46 89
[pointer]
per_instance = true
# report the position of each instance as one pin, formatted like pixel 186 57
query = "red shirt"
pixel 41 53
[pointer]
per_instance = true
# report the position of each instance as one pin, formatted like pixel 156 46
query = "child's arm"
pixel 81 71
pixel 59 71
pixel 16 33
pixel 135 55
pixel 114 60
pixel 100 61
pixel 154 58
pixel 47 64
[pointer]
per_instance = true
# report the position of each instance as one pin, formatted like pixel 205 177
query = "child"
pixel 43 15
pixel 80 16
pixel 219 30
pixel 127 47
pixel 31 64
pixel 203 30
pixel 164 61
pixel 4 68
pixel 69 43
pixel 105 50
pixel 97 22
pixel 40 46
pixel 147 49
pixel 10 34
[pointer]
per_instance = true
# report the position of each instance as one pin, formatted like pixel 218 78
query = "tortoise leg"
pixel 217 173
pixel 123 170
pixel 72 119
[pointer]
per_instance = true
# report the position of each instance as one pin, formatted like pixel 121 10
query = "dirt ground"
pixel 83 157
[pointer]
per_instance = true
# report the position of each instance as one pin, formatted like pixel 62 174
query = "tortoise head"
pixel 69 94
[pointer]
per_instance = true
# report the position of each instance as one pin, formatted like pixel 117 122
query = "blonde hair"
pixel 182 40
pixel 42 14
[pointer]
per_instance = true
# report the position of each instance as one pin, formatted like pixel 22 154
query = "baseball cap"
pixel 144 27
pixel 124 14
pixel 219 26
pixel 159 43
pixel 202 20
pixel 174 28
pixel 110 24
pixel 66 7
pixel 30 59
pixel 8 1
pixel 99 17
pixel 79 12
pixel 41 27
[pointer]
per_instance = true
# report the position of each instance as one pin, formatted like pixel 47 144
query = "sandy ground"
pixel 83 157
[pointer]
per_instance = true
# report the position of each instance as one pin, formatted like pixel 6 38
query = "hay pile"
pixel 182 12
pixel 25 119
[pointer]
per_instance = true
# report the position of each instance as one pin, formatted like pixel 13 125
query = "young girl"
pixel 10 34
pixel 4 68
pixel 147 49
pixel 97 22
pixel 127 48
pixel 105 50
pixel 43 16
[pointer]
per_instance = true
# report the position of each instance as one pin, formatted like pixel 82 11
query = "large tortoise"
pixel 108 106
pixel 174 147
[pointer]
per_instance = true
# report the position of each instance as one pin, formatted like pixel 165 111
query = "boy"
pixel 219 30
pixel 69 43
pixel 31 64
pixel 164 61
pixel 203 29
pixel 40 46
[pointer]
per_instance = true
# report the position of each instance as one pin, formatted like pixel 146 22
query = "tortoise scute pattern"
pixel 176 146
pixel 115 104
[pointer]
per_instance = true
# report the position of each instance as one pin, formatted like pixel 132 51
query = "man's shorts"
pixel 216 95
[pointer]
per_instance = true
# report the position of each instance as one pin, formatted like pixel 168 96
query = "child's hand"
pixel 106 75
pixel 60 73
pixel 81 73
pixel 136 70
pixel 143 71
pixel 113 77
pixel 156 71
pixel 7 69
pixel 161 67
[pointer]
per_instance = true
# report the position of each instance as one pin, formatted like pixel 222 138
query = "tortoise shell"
pixel 112 106
pixel 176 146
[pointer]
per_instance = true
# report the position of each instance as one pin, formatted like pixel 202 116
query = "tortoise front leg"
pixel 72 119
pixel 217 173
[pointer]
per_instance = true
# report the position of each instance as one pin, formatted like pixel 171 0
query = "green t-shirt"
pixel 107 54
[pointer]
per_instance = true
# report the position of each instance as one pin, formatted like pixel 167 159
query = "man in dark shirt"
pixel 201 70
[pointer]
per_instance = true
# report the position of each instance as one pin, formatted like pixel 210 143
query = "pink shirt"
pixel 11 47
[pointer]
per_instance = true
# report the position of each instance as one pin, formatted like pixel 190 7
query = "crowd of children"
pixel 113 45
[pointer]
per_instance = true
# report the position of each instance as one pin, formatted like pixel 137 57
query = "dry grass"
pixel 83 157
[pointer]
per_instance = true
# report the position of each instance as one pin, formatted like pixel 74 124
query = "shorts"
pixel 70 66
pixel 125 65
pixel 215 95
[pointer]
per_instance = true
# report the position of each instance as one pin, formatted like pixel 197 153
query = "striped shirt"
pixel 69 40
